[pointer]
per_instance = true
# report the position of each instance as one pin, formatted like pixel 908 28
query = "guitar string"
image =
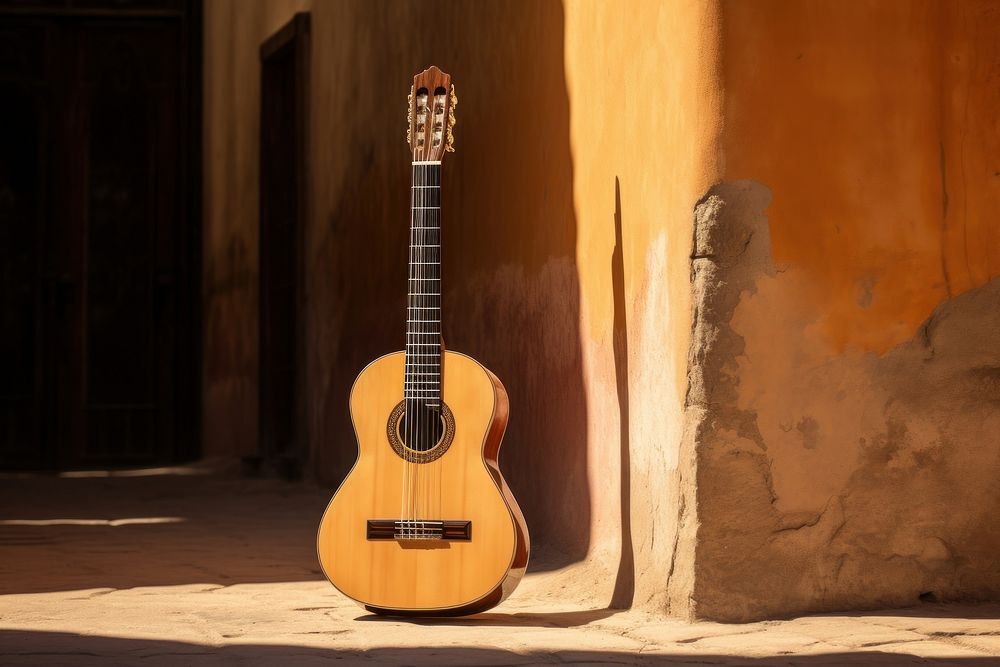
pixel 414 338
pixel 413 419
pixel 420 339
pixel 432 215
pixel 421 271
pixel 421 327
pixel 426 326
pixel 418 335
pixel 433 416
pixel 436 336
pixel 439 377
pixel 433 220
pixel 408 406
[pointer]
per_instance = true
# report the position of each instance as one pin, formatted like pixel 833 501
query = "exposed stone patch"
pixel 831 480
pixel 731 249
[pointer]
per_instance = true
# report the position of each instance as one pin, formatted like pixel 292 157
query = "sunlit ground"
pixel 183 567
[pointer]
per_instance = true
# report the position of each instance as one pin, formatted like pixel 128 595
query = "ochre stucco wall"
pixel 851 447
pixel 582 141
pixel 645 114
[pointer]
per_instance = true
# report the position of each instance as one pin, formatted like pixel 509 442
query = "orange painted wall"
pixel 875 124
pixel 859 439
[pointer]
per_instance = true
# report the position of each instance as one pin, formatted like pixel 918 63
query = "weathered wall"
pixel 846 358
pixel 581 138
pixel 646 113
pixel 799 412
pixel 233 33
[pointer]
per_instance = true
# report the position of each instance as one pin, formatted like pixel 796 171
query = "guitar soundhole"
pixel 429 437
pixel 422 431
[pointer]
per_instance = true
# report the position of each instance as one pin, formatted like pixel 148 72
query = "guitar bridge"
pixel 419 529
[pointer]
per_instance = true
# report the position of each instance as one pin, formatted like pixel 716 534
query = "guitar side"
pixel 464 484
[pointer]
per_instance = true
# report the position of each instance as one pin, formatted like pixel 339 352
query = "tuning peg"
pixel 450 146
pixel 409 117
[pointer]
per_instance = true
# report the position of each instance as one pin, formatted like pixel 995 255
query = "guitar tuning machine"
pixel 409 117
pixel 450 146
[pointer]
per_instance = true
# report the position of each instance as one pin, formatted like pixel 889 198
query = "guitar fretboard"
pixel 422 386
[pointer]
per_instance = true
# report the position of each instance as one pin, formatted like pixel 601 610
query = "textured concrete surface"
pixel 193 569
pixel 866 476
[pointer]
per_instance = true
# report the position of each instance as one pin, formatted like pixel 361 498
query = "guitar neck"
pixel 423 313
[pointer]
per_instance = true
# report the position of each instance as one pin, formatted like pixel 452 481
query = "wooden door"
pixel 283 203
pixel 98 302
pixel 28 130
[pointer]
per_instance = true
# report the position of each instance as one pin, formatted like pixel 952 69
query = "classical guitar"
pixel 424 523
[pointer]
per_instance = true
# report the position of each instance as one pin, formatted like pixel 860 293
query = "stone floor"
pixel 177 567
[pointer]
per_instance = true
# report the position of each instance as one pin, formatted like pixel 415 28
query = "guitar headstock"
pixel 431 115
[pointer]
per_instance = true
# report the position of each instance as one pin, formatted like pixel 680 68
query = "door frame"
pixel 291 39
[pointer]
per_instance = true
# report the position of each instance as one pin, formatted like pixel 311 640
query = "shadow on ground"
pixel 48 648
pixel 554 619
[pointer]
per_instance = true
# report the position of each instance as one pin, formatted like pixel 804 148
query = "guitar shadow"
pixel 553 619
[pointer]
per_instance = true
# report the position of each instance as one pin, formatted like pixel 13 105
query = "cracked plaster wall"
pixel 844 375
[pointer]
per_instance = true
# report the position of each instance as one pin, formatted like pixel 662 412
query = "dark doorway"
pixel 99 233
pixel 283 204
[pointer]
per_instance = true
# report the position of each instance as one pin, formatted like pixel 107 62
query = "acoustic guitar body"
pixel 433 531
